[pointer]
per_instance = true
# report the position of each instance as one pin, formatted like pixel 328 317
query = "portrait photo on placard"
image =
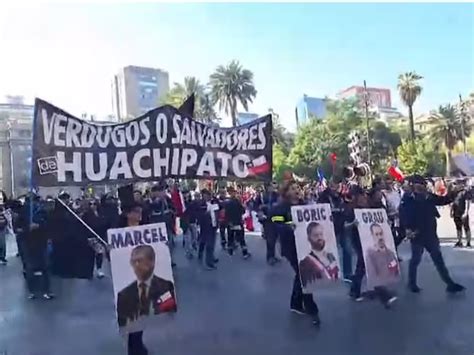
pixel 142 276
pixel 378 247
pixel 316 245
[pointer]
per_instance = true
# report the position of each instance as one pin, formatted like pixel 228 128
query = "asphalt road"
pixel 243 308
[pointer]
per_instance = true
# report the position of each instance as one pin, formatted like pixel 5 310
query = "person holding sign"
pixel 320 263
pixel 148 294
pixel 360 203
pixel 301 303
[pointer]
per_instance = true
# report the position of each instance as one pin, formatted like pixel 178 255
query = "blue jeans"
pixel 344 241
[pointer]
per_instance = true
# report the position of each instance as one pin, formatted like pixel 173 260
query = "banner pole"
pixel 83 223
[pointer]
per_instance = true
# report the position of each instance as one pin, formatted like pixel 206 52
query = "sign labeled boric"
pixel 162 143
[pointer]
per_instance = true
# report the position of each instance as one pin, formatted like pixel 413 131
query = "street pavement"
pixel 243 309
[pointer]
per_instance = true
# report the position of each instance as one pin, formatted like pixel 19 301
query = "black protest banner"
pixel 164 142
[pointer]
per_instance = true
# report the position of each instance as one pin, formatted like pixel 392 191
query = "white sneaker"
pixel 391 300
pixel 100 274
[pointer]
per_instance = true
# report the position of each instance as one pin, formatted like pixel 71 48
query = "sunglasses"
pixel 92 204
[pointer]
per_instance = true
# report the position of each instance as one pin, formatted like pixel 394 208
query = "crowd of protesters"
pixel 48 238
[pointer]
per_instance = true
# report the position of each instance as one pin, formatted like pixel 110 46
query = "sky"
pixel 68 54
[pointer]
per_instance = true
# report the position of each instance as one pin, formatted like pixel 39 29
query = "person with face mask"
pixel 420 214
pixel 280 214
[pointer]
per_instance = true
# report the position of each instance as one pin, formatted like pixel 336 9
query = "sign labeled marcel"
pixel 142 276
pixel 161 143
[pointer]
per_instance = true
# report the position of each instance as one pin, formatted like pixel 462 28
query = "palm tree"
pixel 230 85
pixel 410 89
pixel 203 109
pixel 446 128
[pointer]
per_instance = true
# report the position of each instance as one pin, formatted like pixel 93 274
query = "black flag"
pixel 72 255
pixel 187 107
pixel 125 194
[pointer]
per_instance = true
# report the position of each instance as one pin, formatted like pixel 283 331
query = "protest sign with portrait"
pixel 316 244
pixel 378 247
pixel 141 274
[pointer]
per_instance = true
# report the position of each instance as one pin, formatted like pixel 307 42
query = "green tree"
pixel 230 85
pixel 280 134
pixel 420 157
pixel 314 142
pixel 280 164
pixel 446 128
pixel 384 144
pixel 410 90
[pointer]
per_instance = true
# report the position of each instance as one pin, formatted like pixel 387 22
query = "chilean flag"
pixel 258 166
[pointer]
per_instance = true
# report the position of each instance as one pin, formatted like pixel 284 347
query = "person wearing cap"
pixel 234 210
pixel 280 215
pixel 420 215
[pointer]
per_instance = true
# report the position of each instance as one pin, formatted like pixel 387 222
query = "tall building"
pixel 246 117
pixel 380 101
pixel 136 90
pixel 377 97
pixel 16 122
pixel 310 107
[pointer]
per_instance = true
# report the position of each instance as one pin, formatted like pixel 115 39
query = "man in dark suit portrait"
pixel 149 294
pixel 319 264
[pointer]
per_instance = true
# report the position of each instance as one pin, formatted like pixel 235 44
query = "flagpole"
pixel 83 223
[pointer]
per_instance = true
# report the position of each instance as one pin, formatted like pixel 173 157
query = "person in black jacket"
pixel 332 196
pixel 420 215
pixel 301 303
pixel 207 219
pixel 234 212
pixel 269 199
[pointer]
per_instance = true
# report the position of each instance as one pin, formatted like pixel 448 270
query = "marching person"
pixel 360 200
pixel 4 230
pixel 35 224
pixel 234 212
pixel 207 219
pixel 460 215
pixel 98 224
pixel 188 223
pixel 332 196
pixel 223 223
pixel 269 199
pixel 420 213
pixel 301 303
pixel 132 213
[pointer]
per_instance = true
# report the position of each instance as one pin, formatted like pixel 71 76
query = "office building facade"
pixel 136 90
pixel 309 107
pixel 16 123
pixel 378 97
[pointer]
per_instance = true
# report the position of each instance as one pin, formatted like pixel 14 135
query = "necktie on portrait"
pixel 144 306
